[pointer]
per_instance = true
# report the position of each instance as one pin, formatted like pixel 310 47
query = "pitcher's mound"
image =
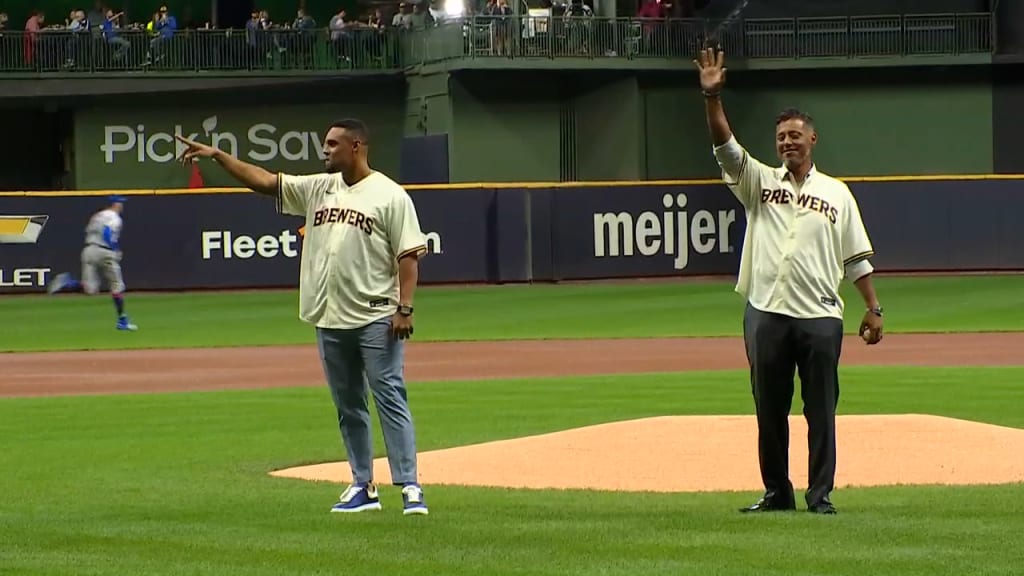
pixel 713 453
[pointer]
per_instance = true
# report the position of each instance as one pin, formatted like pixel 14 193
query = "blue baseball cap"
pixel 116 198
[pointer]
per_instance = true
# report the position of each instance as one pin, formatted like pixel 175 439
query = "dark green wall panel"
pixel 893 122
pixel 428 108
pixel 609 132
pixel 676 135
pixel 1008 119
pixel 504 129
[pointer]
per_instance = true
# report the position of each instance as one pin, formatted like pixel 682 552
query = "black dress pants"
pixel 777 346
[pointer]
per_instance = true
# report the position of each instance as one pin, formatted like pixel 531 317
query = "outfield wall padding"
pixel 498 234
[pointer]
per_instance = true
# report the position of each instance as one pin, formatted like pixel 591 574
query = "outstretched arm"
pixel 711 64
pixel 253 177
pixel 740 172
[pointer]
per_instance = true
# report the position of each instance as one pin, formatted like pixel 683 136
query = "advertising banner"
pixel 645 231
pixel 135 148
pixel 219 240
pixel 475 235
pixel 944 225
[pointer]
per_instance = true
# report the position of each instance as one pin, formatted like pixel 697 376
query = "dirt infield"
pixel 40 374
pixel 930 450
pixel 714 453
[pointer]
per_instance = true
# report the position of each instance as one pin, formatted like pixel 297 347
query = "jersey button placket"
pixel 789 246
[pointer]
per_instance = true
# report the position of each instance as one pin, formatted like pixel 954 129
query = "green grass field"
pixel 913 304
pixel 178 484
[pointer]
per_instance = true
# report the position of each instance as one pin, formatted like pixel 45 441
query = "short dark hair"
pixel 353 126
pixel 794 113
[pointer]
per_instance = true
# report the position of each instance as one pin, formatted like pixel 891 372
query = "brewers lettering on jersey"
pixel 357 278
pixel 804 235
pixel 101 260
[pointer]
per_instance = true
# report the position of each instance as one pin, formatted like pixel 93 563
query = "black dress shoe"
pixel 768 504
pixel 824 507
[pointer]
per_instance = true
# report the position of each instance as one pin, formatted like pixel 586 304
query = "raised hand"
pixel 711 64
pixel 195 150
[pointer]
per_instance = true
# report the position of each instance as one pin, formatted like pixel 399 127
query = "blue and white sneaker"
pixel 412 499
pixel 358 498
pixel 124 324
pixel 58 283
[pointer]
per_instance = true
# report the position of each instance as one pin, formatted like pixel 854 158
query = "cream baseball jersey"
pixel 801 240
pixel 354 236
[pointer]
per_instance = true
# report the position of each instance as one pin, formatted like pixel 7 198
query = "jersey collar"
pixel 783 173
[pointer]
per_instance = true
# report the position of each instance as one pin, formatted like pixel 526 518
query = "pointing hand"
pixel 195 150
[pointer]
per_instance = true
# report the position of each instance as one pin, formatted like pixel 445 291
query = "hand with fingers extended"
pixel 711 64
pixel 195 150
pixel 401 326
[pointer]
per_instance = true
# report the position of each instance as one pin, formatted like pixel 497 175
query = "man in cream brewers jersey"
pixel 359 270
pixel 804 236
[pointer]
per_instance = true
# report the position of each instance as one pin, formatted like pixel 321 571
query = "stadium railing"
pixel 634 38
pixel 558 37
pixel 218 50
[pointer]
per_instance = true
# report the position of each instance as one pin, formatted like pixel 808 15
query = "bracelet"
pixel 708 94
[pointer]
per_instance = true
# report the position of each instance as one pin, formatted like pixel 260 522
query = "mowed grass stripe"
pixel 177 484
pixel 638 310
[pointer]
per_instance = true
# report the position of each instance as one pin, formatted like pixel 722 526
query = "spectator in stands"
pixel 341 37
pixel 303 38
pixel 651 9
pixel 112 33
pixel 3 22
pixel 303 21
pixel 503 26
pixel 79 23
pixel 79 27
pixel 337 26
pixel 32 27
pixel 268 27
pixel 403 18
pixel 376 20
pixel 165 27
pixel 254 36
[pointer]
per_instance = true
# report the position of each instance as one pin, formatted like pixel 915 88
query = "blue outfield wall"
pixel 498 234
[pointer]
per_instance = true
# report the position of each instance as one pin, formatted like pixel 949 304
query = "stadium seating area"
pixel 389 37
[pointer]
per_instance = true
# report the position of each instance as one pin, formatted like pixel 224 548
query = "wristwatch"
pixel 405 310
pixel 876 311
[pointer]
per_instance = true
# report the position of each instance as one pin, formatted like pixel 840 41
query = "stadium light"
pixel 454 8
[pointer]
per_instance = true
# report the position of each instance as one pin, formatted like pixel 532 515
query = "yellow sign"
pixel 21 229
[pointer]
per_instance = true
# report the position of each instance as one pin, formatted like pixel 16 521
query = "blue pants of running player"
pixel 370 357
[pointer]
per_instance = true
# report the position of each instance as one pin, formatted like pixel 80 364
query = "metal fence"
pixel 632 38
pixel 494 37
pixel 199 50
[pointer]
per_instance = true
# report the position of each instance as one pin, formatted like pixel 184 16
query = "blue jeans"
pixel 370 358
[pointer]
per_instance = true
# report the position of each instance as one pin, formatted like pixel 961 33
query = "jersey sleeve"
pixel 406 237
pixel 741 172
pixel 293 192
pixel 857 248
pixel 112 231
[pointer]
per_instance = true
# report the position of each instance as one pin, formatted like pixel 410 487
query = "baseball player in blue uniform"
pixel 101 260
